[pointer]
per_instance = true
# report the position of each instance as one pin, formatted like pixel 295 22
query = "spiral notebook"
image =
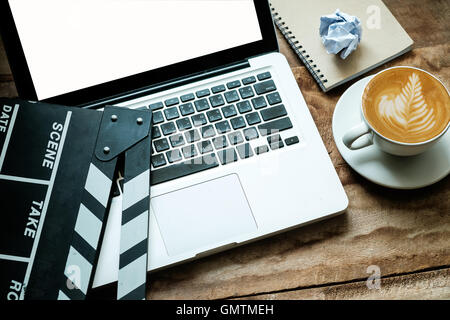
pixel 383 38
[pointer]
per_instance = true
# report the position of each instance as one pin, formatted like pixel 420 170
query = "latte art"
pixel 408 114
pixel 406 105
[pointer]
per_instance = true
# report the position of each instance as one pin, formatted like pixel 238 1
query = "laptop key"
pixel 245 151
pixel 253 118
pixel 158 160
pixel 205 146
pixel 176 140
pixel 231 96
pixel 273 113
pixel 248 80
pixel 235 138
pixel 192 136
pixel 158 117
pixel 220 142
pixel 171 113
pixel 183 169
pixel 277 145
pixel 187 109
pixel 171 102
pixel 187 97
pixel 156 106
pixel 203 93
pixel 184 124
pixel 218 89
pixel 156 133
pixel 259 103
pixel 223 127
pixel 251 134
pixel 208 131
pixel 244 107
pixel 292 140
pixel 246 92
pixel 168 128
pixel 261 149
pixel 229 111
pixel 233 84
pixel 227 156
pixel 238 123
pixel 202 105
pixel 276 126
pixel 161 145
pixel 216 101
pixel 264 76
pixel 274 139
pixel 214 115
pixel 199 120
pixel 189 151
pixel 274 98
pixel 174 156
pixel 265 87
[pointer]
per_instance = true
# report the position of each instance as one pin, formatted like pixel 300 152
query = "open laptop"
pixel 236 154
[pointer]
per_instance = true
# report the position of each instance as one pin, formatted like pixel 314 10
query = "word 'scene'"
pixel 52 146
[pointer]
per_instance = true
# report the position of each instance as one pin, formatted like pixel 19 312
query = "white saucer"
pixel 379 167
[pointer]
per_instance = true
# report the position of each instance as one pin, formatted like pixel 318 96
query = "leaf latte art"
pixel 406 105
pixel 408 113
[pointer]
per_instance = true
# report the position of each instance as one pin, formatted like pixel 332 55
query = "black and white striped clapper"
pixel 82 255
pixel 135 219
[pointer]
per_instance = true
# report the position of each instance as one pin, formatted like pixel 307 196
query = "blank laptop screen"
pixel 75 44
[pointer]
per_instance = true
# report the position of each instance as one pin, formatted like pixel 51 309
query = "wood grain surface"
pixel 406 234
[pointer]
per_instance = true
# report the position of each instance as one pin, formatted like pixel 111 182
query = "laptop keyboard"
pixel 214 126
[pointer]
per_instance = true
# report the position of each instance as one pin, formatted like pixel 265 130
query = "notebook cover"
pixel 299 20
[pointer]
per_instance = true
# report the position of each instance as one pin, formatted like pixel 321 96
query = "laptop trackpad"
pixel 203 215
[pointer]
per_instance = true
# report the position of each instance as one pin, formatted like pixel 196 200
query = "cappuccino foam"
pixel 406 105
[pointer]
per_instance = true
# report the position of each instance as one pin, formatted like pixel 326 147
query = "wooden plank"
pixel 7 86
pixel 7 89
pixel 4 66
pixel 417 286
pixel 426 21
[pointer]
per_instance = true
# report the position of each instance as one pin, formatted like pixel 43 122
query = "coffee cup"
pixel 404 111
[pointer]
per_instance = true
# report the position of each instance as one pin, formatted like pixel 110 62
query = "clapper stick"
pixel 134 226
pixel 85 240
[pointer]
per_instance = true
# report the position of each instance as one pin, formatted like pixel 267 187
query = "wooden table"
pixel 405 233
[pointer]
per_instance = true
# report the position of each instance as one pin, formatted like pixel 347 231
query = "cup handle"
pixel 352 138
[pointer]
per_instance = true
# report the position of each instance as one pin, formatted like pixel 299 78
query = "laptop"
pixel 236 156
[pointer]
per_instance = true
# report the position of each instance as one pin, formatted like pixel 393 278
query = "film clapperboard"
pixel 58 167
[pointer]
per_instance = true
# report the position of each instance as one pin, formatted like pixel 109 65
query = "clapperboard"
pixel 57 167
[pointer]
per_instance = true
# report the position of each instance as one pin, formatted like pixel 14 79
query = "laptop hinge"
pixel 166 85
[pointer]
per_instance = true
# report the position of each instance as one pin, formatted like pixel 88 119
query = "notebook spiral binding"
pixel 299 50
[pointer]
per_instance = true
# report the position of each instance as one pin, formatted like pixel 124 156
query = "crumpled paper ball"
pixel 340 32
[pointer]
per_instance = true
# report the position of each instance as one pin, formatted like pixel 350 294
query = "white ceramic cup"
pixel 364 135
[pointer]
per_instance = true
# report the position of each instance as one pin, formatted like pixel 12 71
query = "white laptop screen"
pixel 75 44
